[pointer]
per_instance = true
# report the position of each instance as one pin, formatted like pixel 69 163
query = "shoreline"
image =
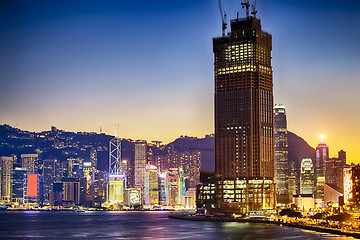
pixel 261 220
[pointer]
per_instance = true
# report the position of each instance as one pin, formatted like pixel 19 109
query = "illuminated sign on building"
pixel 88 174
pixel 347 185
pixel 134 196
pixel 32 185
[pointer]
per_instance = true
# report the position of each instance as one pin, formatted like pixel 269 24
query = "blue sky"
pixel 147 66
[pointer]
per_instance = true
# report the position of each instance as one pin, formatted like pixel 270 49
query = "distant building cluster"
pixel 124 174
pixel 311 182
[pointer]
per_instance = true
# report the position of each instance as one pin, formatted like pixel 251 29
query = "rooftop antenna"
pixel 246 4
pixel 223 18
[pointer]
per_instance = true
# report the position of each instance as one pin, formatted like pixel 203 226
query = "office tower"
pixel 30 162
pixel 151 185
pixel 71 191
pixel 281 150
pixel 140 162
pixel 49 176
pixel 182 188
pixel 132 197
pixel 173 187
pixel 322 155
pixel 335 170
pixel 244 134
pixel 115 156
pixel 307 176
pixel 17 185
pixel 190 161
pixel 100 186
pixel 163 189
pixel 116 189
pixel 6 167
pixel 75 166
pixel 128 162
pixel 55 197
pixel 205 198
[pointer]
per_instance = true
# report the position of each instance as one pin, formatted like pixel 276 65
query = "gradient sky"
pixel 145 68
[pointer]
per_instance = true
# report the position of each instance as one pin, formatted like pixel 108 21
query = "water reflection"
pixel 137 225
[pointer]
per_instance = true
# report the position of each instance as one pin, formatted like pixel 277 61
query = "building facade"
pixel 244 134
pixel 6 166
pixel 335 170
pixel 281 150
pixel 307 177
pixel 322 156
pixel 140 163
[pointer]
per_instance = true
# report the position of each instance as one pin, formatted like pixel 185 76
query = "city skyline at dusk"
pixel 145 69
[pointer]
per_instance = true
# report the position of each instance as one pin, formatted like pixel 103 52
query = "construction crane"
pixel 254 10
pixel 246 4
pixel 223 18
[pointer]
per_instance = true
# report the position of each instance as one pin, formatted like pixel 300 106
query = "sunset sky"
pixel 145 68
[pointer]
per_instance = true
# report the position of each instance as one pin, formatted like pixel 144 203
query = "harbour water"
pixel 137 225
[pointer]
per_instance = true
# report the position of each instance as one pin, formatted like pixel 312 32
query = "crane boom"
pixel 254 9
pixel 246 4
pixel 223 18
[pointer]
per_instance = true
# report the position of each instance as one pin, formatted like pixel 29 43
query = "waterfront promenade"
pixel 298 223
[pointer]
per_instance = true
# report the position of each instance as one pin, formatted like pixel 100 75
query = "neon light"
pixel 347 185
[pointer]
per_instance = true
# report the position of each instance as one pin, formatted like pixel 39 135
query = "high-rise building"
pixel 244 134
pixel 18 185
pixel 162 189
pixel 115 156
pixel 75 167
pixel 307 177
pixel 116 189
pixel 335 170
pixel 89 175
pixel 6 167
pixel 173 187
pixel 322 155
pixel 151 185
pixel 30 162
pixel 93 157
pixel 140 162
pixel 49 177
pixel 355 176
pixel 281 150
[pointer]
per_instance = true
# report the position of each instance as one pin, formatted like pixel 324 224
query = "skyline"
pixel 65 64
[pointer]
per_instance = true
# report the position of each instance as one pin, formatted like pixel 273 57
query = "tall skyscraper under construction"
pixel 244 134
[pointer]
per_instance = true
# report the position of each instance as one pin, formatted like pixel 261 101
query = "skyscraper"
pixel 30 162
pixel 322 155
pixel 307 176
pixel 151 185
pixel 335 170
pixel 49 176
pixel 17 185
pixel 140 162
pixel 244 134
pixel 6 167
pixel 281 150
